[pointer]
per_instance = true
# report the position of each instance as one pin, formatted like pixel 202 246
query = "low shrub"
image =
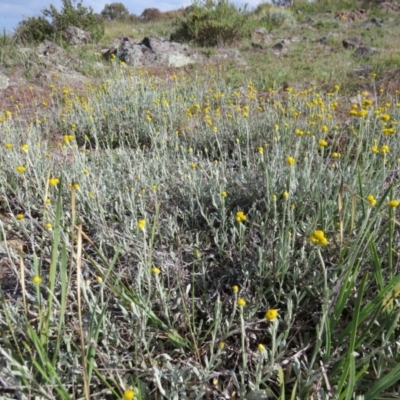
pixel 34 30
pixel 213 23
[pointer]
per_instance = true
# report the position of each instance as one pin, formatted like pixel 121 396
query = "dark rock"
pixel 365 51
pixel 352 43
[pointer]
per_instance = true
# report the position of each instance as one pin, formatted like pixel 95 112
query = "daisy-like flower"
pixel 271 314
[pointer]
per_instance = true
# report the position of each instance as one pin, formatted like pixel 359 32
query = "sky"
pixel 13 11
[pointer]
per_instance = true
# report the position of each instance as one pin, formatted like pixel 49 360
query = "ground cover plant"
pixel 184 236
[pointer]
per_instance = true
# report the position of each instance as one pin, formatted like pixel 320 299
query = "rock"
pixel 351 15
pixel 281 45
pixel 257 46
pixel 4 81
pixel 151 51
pixel 390 6
pixel 352 43
pixel 365 51
pixel 46 48
pixel 76 36
pixel 260 35
pixel 373 22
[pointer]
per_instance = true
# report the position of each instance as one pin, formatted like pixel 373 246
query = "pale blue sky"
pixel 13 11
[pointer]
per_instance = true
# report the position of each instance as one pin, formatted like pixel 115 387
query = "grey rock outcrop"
pixel 76 36
pixel 151 51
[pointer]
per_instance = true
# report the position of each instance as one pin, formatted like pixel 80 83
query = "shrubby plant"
pixel 212 23
pixel 53 22
pixel 115 11
pixel 34 30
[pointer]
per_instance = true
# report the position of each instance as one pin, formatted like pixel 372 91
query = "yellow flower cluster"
pixel 318 237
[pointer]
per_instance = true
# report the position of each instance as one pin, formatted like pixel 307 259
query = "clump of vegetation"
pixel 213 23
pixel 34 30
pixel 274 16
pixel 53 23
pixel 115 11
pixel 151 14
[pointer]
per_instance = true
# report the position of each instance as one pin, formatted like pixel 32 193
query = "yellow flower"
pixel 290 160
pixel 20 216
pixel 375 149
pixel 393 203
pixel 85 171
pixel 74 185
pixel 322 143
pixel 24 147
pixel 221 345
pixel 371 200
pixel 37 280
pixel 235 288
pixel 129 395
pixel 53 181
pixel 154 188
pixel 271 314
pixel 68 138
pixel 318 237
pixel 260 150
pixel 240 216
pixel 261 347
pixel 99 279
pixel 384 117
pixel 8 146
pixel 21 169
pixel 47 201
pixel 241 302
pixel 385 149
pixel 49 226
pixel 336 155
pixel 141 224
pixel 224 194
pixel 285 195
pixel 155 270
pixel 362 113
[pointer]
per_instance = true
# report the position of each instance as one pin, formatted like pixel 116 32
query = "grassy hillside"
pixel 221 231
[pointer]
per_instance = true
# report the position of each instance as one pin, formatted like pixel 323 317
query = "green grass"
pixel 143 248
